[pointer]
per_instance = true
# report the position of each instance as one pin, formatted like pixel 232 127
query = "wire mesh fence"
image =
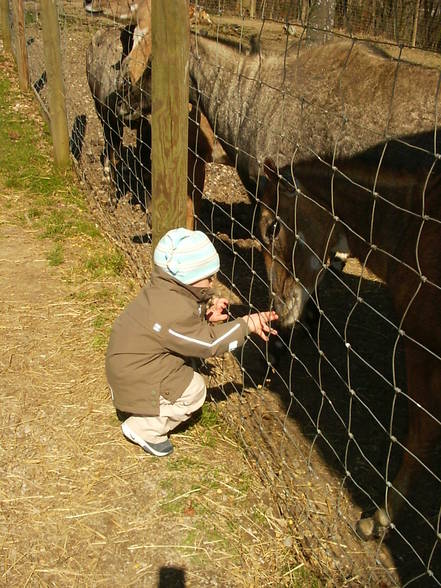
pixel 405 22
pixel 314 168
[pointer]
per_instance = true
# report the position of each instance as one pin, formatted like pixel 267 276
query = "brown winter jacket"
pixel 154 337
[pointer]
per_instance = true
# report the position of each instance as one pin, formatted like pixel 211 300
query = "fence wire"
pixel 329 211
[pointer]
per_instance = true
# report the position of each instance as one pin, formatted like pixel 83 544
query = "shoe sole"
pixel 134 438
pixel 90 10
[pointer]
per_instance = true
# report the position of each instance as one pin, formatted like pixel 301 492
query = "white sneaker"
pixel 88 7
pixel 158 449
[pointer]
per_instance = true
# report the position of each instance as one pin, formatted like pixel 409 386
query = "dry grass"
pixel 79 505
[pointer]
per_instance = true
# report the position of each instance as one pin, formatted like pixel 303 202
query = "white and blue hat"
pixel 188 256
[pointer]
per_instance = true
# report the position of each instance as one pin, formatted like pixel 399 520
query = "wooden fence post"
pixel 170 51
pixel 55 83
pixel 5 25
pixel 21 50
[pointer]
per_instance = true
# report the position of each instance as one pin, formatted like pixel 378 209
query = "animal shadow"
pixel 341 345
pixel 76 141
pixel 342 372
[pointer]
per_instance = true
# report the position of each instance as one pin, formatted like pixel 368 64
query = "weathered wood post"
pixel 55 83
pixel 170 50
pixel 5 25
pixel 21 50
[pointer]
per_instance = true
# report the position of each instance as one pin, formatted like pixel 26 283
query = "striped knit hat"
pixel 188 256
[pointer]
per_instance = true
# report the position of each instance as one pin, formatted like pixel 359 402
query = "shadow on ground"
pixel 315 371
pixel 170 577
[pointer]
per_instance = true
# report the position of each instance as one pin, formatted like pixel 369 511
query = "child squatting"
pixel 173 319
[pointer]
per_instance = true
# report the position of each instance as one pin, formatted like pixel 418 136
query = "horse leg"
pixel 113 137
pixel 195 188
pixel 200 152
pixel 143 154
pixel 424 385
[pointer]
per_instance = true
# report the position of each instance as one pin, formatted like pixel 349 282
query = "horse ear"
pixel 270 169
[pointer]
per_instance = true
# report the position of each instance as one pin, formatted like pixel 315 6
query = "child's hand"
pixel 258 323
pixel 215 313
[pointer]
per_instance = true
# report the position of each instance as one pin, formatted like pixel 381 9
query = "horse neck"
pixel 216 83
pixel 383 221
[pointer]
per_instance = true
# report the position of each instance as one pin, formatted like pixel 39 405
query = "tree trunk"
pixel 415 23
pixel 321 20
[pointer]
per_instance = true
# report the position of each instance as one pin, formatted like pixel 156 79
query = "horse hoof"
pixel 382 518
pixel 373 527
pixel 365 528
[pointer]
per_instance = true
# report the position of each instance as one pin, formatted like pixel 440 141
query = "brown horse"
pixel 341 98
pixel 338 103
pixel 106 51
pixel 387 201
pixel 103 56
pixel 299 240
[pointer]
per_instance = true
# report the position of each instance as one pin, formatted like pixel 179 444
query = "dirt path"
pixel 68 490
pixel 79 505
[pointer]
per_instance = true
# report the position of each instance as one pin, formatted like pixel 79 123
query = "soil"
pixel 317 481
pixel 79 505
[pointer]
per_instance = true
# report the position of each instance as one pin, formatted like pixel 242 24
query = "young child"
pixel 148 362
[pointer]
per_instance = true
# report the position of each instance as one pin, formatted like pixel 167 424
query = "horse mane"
pixel 238 45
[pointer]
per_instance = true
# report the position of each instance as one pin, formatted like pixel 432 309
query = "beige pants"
pixel 154 429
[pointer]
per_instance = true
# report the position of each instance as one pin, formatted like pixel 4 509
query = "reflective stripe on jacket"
pixel 152 341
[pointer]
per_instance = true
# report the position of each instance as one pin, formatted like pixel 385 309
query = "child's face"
pixel 205 283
